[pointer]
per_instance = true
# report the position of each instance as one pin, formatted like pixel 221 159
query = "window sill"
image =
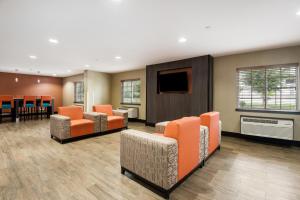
pixel 136 104
pixel 269 111
pixel 79 102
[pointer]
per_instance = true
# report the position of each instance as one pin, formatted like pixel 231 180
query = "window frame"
pixel 75 92
pixel 265 109
pixel 122 91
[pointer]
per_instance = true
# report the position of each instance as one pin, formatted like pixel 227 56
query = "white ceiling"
pixel 140 31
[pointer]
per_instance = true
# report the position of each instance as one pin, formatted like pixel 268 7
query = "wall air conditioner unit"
pixel 268 127
pixel 133 112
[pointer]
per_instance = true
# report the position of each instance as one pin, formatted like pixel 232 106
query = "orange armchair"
pixel 111 119
pixel 72 122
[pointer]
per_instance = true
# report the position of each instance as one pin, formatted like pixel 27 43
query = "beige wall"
pixel 68 89
pixel 225 91
pixel 97 89
pixel 116 89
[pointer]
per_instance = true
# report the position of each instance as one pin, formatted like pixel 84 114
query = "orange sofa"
pixel 163 160
pixel 72 122
pixel 111 119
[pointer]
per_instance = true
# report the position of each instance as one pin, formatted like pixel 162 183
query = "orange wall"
pixel 28 85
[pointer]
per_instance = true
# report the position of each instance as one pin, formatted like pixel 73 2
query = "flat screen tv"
pixel 176 82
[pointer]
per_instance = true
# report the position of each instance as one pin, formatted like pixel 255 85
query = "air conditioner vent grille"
pixel 263 121
pixel 268 127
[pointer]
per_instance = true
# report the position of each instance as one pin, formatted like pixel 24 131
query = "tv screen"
pixel 173 82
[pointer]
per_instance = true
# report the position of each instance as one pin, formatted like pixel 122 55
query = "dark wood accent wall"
pixel 170 106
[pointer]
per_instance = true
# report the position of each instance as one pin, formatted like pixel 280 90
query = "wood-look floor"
pixel 33 166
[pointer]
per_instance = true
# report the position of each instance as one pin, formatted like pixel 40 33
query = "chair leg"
pixel 122 170
pixel 0 115
pixel 24 112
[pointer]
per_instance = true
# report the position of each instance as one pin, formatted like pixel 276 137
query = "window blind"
pixel 79 92
pixel 268 88
pixel 131 91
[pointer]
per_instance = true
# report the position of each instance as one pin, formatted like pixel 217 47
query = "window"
pixel 131 91
pixel 268 88
pixel 79 92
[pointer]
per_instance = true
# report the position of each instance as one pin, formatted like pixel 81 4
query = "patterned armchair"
pixel 72 122
pixel 111 119
pixel 163 159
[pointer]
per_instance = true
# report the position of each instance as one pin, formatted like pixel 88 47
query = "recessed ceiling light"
pixel 54 74
pixel 69 70
pixel 118 57
pixel 182 40
pixel 33 57
pixel 298 13
pixel 53 41
pixel 87 66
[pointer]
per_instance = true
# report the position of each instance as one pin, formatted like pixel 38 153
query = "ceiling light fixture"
pixel 298 13
pixel 118 57
pixel 69 70
pixel 87 66
pixel 54 74
pixel 182 40
pixel 16 79
pixel 117 1
pixel 38 80
pixel 33 57
pixel 53 41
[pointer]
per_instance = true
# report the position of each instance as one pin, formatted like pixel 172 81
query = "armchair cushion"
pixel 187 133
pixel 103 109
pixel 115 122
pixel 74 112
pixel 81 127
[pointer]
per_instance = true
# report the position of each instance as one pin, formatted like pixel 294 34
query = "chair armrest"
pixel 60 126
pixel 204 134
pixel 150 156
pixel 220 132
pixel 96 118
pixel 122 113
pixel 160 127
pixel 103 122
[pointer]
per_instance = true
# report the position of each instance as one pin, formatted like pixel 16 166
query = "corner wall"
pixel 225 91
pixel 97 88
